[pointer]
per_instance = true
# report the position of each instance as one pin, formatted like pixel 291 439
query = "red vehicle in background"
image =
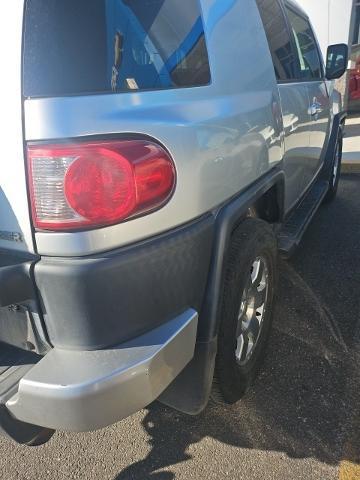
pixel 354 87
pixel 354 83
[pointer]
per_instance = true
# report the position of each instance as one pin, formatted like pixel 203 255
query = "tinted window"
pixel 82 46
pixel 307 50
pixel 356 37
pixel 278 38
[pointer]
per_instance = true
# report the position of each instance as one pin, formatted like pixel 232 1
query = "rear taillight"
pixel 95 184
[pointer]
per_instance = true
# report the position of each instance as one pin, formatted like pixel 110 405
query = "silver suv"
pixel 156 157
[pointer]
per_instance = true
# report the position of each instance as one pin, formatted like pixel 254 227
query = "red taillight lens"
pixel 97 184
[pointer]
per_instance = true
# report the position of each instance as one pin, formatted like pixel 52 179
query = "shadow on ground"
pixel 306 402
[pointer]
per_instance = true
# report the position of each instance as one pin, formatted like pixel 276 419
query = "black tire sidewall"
pixel 253 238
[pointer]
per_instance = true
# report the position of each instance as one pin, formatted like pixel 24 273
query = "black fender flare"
pixel 337 126
pixel 190 391
pixel 226 220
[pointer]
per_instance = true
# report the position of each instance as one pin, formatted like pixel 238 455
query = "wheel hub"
pixel 252 310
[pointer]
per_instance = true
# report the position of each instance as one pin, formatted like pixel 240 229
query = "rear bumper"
pixel 94 302
pixel 112 330
pixel 86 390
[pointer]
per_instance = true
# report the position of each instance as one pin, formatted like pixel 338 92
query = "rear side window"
pixel 75 47
pixel 278 38
pixel 307 50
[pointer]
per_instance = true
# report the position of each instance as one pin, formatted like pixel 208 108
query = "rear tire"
pixel 335 171
pixel 250 279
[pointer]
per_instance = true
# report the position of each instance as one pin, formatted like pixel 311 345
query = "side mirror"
pixel 337 60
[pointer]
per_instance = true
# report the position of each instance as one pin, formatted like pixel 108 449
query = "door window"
pixel 278 38
pixel 306 47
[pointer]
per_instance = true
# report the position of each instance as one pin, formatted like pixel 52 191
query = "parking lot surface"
pixel 301 420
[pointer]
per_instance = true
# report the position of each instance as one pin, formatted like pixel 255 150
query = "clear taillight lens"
pixel 95 184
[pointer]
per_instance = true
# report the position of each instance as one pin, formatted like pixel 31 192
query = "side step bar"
pixel 294 228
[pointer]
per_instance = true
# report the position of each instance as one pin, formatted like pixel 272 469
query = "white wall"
pixel 331 20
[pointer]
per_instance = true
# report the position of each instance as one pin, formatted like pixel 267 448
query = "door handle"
pixel 315 109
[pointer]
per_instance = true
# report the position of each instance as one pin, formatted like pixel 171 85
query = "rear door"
pixel 15 227
pixel 294 99
pixel 312 74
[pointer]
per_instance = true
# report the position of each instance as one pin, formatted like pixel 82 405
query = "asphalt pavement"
pixel 301 420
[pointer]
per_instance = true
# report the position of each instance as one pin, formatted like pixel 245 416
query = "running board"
pixel 294 228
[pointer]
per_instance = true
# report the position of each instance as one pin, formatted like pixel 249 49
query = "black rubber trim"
pixel 94 302
pixel 16 285
pixel 190 390
pixel 226 220
pixel 330 151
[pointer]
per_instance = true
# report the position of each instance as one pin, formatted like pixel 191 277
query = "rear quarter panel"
pixel 222 136
pixel 15 227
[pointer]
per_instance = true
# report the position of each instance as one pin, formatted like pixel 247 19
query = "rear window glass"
pixel 75 47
